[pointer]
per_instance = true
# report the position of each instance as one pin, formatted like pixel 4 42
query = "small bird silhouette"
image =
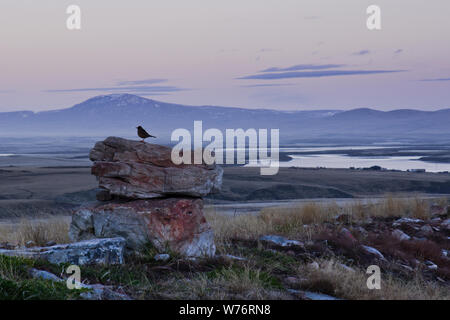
pixel 143 134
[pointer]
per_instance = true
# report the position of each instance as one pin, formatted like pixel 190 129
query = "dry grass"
pixel 291 220
pixel 393 206
pixel 390 206
pixel 39 231
pixel 331 278
pixel 233 282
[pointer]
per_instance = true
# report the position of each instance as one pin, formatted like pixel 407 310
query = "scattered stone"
pixel 373 251
pixel 444 253
pixel 230 256
pixel 314 265
pixel 45 275
pixel 101 292
pixel 446 224
pixel 312 295
pixel 97 291
pixel 162 257
pixel 431 265
pixel 95 251
pixel 347 268
pixel 281 241
pixel 177 224
pixel 347 235
pixel 407 267
pixel 400 235
pixel 405 220
pixel 426 230
pixel 30 244
pixel 137 170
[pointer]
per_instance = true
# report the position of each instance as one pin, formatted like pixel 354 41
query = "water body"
pixel 337 160
pixel 344 161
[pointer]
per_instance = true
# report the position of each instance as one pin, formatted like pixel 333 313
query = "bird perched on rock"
pixel 143 134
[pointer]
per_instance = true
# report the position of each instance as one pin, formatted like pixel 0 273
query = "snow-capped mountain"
pixel 119 114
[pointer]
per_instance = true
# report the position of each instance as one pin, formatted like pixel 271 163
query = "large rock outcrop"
pixel 138 170
pixel 173 224
pixel 148 199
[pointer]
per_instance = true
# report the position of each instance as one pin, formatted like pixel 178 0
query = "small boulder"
pixel 313 265
pixel 281 241
pixel 446 224
pixel 426 230
pixel 30 244
pixel 400 235
pixel 162 257
pixel 373 251
pixel 406 220
pixel 346 234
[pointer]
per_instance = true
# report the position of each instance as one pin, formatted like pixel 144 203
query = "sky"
pixel 279 54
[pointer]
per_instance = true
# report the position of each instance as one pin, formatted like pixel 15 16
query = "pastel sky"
pixel 281 54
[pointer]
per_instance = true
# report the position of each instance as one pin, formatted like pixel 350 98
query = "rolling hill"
pixel 119 114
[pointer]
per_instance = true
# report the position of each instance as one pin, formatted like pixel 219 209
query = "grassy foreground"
pixel 247 268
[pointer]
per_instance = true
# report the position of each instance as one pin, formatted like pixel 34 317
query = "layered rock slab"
pixel 172 224
pixel 94 251
pixel 137 170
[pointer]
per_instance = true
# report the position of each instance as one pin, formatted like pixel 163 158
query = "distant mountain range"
pixel 119 114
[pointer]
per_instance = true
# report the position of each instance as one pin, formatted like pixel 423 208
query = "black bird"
pixel 143 134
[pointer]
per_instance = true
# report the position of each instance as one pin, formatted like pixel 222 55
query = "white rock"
pixel 281 241
pixel 41 274
pixel 446 224
pixel 97 291
pixel 162 257
pixel 426 229
pixel 373 251
pixel 314 265
pixel 313 295
pixel 400 235
pixel 94 251
pixel 431 265
pixel 405 220
pixel 230 256
pixel 347 268
pixel 407 267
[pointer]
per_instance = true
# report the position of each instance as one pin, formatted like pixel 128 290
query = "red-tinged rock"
pixel 174 224
pixel 346 234
pixel 138 170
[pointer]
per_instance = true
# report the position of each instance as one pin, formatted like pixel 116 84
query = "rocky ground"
pixel 150 237
pixel 323 260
